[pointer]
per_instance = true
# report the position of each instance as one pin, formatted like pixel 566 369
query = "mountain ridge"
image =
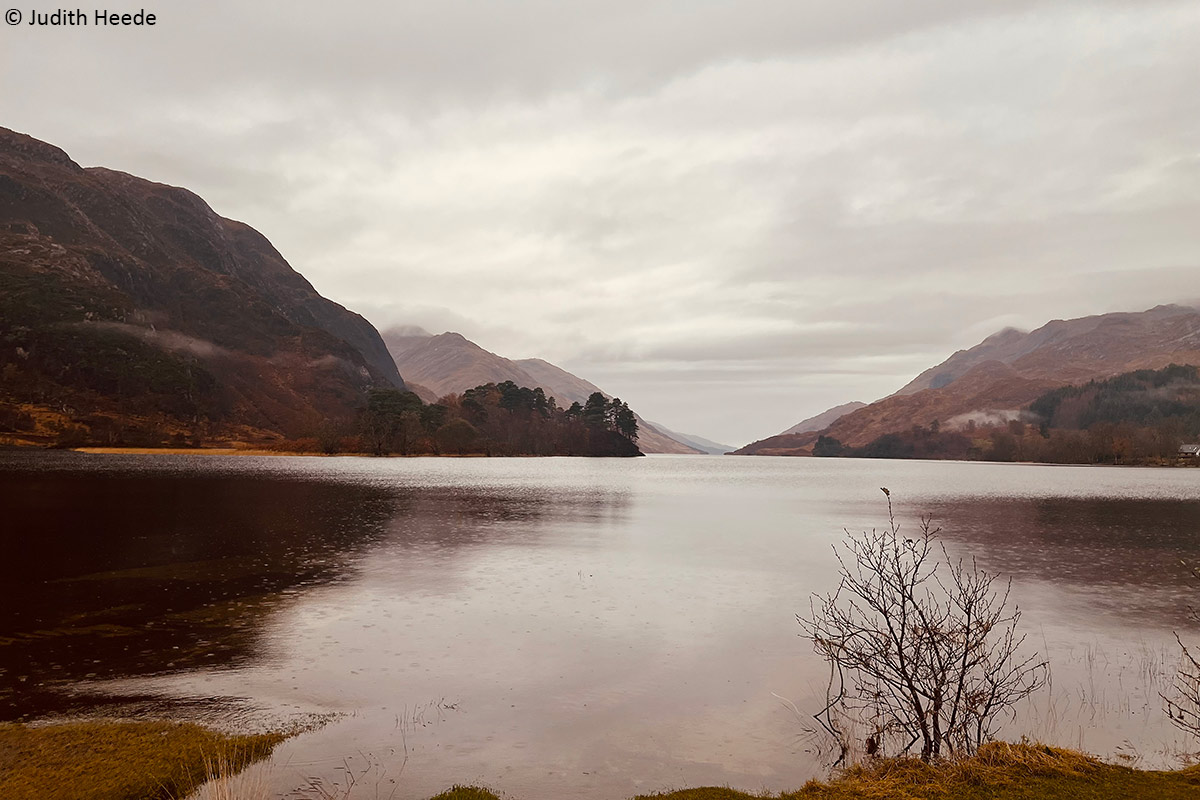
pixel 1010 369
pixel 124 298
pixel 821 421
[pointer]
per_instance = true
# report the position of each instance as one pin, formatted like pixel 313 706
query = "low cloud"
pixel 171 341
pixel 989 417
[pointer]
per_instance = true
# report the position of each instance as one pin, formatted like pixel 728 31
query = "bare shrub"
pixel 1183 705
pixel 921 648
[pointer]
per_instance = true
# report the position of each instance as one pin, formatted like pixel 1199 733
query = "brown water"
pixel 552 627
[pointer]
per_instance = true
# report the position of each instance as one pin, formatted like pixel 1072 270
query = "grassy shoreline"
pixel 202 451
pixel 169 760
pixel 999 771
pixel 120 760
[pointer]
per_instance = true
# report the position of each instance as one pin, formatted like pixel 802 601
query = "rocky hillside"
pixel 990 381
pixel 449 362
pixel 130 309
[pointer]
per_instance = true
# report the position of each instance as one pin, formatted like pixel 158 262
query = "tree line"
pixel 1139 417
pixel 493 419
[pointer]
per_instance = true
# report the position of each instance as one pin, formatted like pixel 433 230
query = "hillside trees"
pixel 615 415
pixel 828 447
pixel 496 419
pixel 1135 418
pixel 390 422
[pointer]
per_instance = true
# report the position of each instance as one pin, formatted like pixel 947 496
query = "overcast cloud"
pixel 732 215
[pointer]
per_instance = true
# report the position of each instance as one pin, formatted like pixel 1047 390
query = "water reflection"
pixel 111 574
pixel 1120 557
pixel 583 628
pixel 152 570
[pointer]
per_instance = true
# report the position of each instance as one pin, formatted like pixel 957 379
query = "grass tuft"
pixel 465 793
pixel 999 771
pixel 119 760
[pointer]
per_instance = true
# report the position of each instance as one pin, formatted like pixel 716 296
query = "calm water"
pixel 552 627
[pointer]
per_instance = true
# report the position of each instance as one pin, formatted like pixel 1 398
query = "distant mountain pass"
pixel 699 442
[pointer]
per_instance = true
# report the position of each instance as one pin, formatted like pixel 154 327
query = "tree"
pixel 408 431
pixel 921 648
pixel 595 410
pixel 382 424
pixel 827 446
pixel 329 436
pixel 433 416
pixel 457 436
pixel 624 421
pixel 1183 705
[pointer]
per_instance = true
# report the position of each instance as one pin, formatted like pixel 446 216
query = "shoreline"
pixel 253 451
pixel 259 451
pixel 210 451
pixel 118 760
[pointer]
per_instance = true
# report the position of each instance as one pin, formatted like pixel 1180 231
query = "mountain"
pixel 1079 350
pixel 568 388
pixel 991 381
pixel 826 418
pixel 698 442
pixel 129 308
pixel 450 362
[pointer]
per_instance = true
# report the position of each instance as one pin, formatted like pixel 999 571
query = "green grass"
pixel 465 793
pixel 118 760
pixel 999 772
pixel 157 760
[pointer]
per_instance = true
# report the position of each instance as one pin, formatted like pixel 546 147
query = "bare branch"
pixel 921 648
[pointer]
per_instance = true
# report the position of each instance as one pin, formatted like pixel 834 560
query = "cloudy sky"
pixel 731 214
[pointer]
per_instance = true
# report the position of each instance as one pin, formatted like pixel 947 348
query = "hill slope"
pixel 449 362
pixel 699 442
pixel 1079 350
pixel 1010 369
pixel 121 298
pixel 826 418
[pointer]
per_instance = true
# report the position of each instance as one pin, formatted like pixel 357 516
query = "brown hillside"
pixel 826 418
pixel 1070 351
pixel 128 298
pixel 1010 369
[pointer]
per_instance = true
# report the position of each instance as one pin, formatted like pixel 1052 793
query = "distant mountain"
pixel 1078 350
pixel 449 362
pixel 699 442
pixel 1006 371
pixel 130 308
pixel 826 418
pixel 567 387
